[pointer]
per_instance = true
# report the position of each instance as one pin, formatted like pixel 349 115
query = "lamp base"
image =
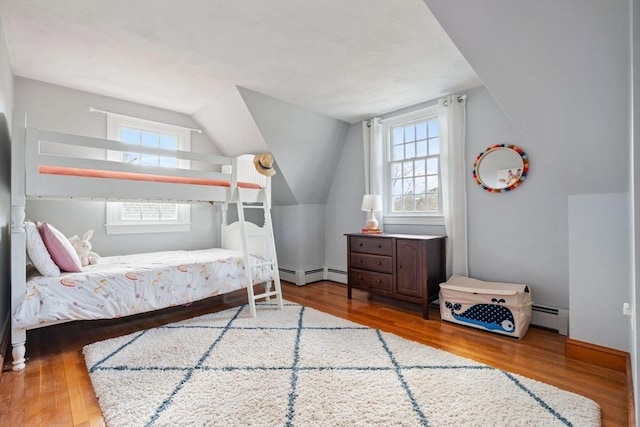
pixel 371 222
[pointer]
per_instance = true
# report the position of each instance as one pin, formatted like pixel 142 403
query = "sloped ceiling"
pixel 559 74
pixel 345 59
pixel 257 75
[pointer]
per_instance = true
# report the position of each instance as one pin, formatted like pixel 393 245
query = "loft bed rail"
pixel 54 165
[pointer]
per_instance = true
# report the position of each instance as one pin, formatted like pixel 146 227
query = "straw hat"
pixel 264 164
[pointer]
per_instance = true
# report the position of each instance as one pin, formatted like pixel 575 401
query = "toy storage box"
pixel 502 308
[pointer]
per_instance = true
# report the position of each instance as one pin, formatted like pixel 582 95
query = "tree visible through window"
pixel 414 167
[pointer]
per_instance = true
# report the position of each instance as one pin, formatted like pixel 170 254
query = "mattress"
pixel 97 173
pixel 124 285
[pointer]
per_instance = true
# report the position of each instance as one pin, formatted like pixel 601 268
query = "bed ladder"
pixel 270 258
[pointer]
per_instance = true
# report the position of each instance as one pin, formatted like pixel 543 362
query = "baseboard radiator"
pixel 552 318
pixel 556 319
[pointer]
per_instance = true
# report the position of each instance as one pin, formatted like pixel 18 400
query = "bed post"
pixel 18 237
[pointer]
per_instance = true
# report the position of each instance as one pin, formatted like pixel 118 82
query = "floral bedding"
pixel 123 285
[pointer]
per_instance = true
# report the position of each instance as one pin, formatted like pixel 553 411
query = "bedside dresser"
pixel 401 266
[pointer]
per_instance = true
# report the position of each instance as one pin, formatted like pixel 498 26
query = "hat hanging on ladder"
pixel 264 164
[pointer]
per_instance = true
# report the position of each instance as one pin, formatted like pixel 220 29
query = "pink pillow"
pixel 60 249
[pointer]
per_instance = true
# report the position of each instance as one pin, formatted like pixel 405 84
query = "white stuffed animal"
pixel 83 248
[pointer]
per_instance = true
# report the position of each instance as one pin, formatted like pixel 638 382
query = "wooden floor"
pixel 55 390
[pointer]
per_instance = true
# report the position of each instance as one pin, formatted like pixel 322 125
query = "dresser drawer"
pixel 371 245
pixel 383 264
pixel 371 280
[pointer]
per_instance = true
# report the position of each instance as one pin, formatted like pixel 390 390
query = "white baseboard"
pixel 302 277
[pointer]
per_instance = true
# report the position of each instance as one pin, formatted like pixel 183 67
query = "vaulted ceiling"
pixel 285 76
pixel 345 59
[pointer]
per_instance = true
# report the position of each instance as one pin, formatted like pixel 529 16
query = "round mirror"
pixel 501 167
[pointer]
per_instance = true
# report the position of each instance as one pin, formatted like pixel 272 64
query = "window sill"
pixel 413 220
pixel 146 228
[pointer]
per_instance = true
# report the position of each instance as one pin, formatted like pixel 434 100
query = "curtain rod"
pixel 95 110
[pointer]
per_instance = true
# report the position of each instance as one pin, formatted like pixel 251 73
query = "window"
pixel 133 217
pixel 413 182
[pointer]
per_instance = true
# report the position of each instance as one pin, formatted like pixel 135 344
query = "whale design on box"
pixel 503 308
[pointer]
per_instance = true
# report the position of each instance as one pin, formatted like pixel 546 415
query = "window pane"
pixel 410 150
pixel 396 170
pixel 421 130
pixel 168 162
pixel 432 166
pixel 434 146
pixel 419 168
pixel 432 183
pixel 131 211
pixel 398 152
pixel 432 202
pixel 421 148
pixel 421 203
pixel 407 169
pixel 149 160
pixel 397 204
pixel 409 134
pixel 169 212
pixel 150 139
pixel 396 189
pixel 408 186
pixel 168 142
pixel 150 211
pixel 133 158
pixel 130 136
pixel 420 185
pixel 407 202
pixel 398 136
pixel 434 129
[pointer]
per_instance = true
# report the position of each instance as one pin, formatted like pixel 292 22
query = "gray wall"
pixel 561 73
pixel 307 147
pixel 634 292
pixel 61 109
pixel 6 107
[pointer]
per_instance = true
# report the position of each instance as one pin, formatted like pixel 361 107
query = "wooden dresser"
pixel 402 266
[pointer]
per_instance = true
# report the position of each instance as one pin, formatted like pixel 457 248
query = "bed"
pixel 76 169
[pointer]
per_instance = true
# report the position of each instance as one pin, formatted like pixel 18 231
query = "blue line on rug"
pixel 542 403
pixel 96 365
pixel 165 404
pixel 294 372
pixel 405 386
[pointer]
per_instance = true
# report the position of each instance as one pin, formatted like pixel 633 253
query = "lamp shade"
pixel 372 202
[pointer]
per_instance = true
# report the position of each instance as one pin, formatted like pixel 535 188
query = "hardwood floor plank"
pixel 55 388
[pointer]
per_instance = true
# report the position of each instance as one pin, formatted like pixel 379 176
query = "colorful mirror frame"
pixel 508 176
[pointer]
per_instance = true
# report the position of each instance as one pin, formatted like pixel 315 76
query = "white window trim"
pixel 389 217
pixel 116 226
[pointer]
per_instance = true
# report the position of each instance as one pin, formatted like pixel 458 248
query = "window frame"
pixel 114 223
pixel 412 218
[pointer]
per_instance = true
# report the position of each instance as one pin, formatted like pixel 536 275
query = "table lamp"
pixel 371 203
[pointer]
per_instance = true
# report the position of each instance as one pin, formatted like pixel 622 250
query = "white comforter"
pixel 124 285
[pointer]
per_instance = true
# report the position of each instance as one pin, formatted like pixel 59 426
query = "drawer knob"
pixel 361 244
pixel 379 246
pixel 379 262
pixel 379 281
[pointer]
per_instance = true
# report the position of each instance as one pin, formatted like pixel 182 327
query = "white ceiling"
pixel 347 59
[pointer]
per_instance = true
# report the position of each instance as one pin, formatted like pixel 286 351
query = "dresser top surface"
pixel 397 236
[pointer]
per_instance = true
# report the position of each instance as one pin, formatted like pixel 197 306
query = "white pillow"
pixel 38 253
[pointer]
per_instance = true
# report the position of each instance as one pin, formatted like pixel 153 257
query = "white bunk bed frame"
pixel 27 183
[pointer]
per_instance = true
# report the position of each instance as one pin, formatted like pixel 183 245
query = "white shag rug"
pixel 302 367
